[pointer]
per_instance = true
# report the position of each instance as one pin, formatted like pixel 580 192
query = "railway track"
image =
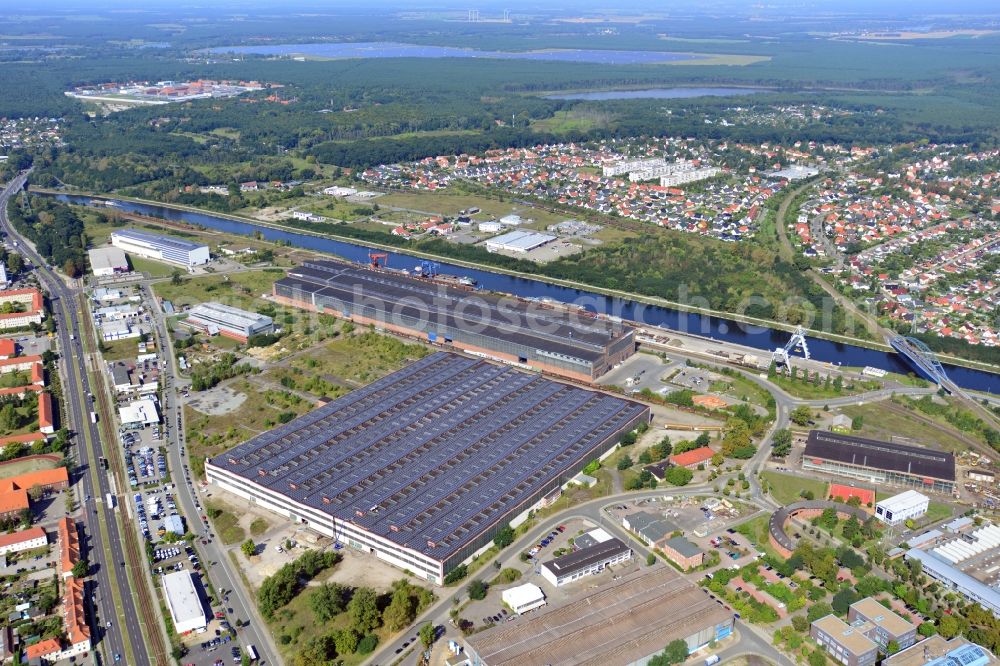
pixel 135 554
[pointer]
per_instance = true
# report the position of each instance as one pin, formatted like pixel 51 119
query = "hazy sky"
pixel 794 6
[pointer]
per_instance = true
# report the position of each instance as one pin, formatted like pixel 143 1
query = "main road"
pixel 112 594
pixel 214 556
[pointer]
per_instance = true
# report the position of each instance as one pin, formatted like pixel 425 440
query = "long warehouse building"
pixel 624 622
pixel 423 467
pixel 570 344
pixel 240 325
pixel 881 463
pixel 161 248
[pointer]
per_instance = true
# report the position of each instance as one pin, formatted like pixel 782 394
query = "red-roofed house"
pixel 693 458
pixel 844 493
pixel 8 348
pixel 69 545
pixel 14 491
pixel 32 301
pixel 46 423
pixel 23 540
pixel 45 650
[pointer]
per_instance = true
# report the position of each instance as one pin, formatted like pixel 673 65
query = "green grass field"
pixel 884 424
pixel 810 391
pixel 25 465
pixel 119 350
pixel 226 521
pixel 155 269
pixel 210 435
pixel 355 359
pixel 234 289
pixel 786 488
pixel 755 529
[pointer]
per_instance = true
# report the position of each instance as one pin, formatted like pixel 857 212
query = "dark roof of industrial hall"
pixel 585 557
pixel 532 324
pixel 886 456
pixel 435 453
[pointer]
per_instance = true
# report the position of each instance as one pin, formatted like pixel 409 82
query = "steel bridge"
pixel 923 360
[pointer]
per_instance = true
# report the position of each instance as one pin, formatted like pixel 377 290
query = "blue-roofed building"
pixel 423 467
pixel 161 248
pixel 955 579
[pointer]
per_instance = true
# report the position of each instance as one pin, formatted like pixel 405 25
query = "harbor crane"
pixel 427 269
pixel 378 259
pixel 780 356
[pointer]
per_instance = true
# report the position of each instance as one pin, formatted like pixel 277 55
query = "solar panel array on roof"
pixel 158 240
pixel 349 288
pixel 880 455
pixel 431 455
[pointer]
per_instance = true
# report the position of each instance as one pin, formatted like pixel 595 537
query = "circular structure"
pixel 785 544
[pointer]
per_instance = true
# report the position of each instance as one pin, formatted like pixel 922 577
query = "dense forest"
pixel 54 228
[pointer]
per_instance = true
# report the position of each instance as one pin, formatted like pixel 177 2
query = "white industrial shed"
pixel 977 542
pixel 518 241
pixel 523 598
pixel 902 507
pixel 106 261
pixel 184 602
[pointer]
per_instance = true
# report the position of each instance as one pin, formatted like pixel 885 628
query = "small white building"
pixel 524 598
pixel 118 330
pixel 518 242
pixel 490 227
pixel 184 602
pixel 338 191
pixel 902 507
pixel 512 220
pixel 24 540
pixel 139 412
pixel 105 261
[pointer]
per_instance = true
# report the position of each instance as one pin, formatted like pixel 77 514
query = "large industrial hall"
pixel 562 342
pixel 424 466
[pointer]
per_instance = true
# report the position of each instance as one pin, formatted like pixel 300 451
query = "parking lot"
pixel 696 379
pixel 144 454
pixel 640 371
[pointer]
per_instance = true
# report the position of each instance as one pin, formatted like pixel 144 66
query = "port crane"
pixel 378 259
pixel 427 269
pixel 781 355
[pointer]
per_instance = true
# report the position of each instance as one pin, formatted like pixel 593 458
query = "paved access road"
pixel 102 540
pixel 751 640
pixel 214 557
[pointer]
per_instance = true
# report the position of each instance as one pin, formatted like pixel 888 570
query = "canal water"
pixel 712 327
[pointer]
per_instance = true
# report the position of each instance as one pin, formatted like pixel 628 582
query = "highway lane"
pixel 113 600
pixel 218 566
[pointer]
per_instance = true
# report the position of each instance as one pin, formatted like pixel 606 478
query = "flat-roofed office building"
pixel 161 248
pixel 586 561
